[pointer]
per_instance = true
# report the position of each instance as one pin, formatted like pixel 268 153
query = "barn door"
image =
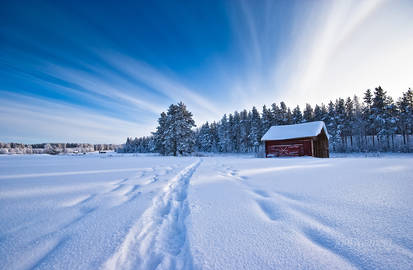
pixel 287 150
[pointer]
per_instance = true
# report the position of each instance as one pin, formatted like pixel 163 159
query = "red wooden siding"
pixel 284 148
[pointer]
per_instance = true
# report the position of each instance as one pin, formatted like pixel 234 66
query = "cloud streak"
pixel 68 74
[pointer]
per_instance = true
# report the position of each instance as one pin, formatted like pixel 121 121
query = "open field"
pixel 225 212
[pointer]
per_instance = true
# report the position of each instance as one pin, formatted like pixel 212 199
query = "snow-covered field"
pixel 225 212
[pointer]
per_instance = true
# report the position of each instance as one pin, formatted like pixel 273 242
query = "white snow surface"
pixel 285 132
pixel 225 212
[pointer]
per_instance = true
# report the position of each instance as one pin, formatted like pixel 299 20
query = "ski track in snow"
pixel 154 234
pixel 158 238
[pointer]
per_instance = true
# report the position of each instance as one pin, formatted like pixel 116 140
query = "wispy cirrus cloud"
pixel 326 49
pixel 33 118
pixel 64 69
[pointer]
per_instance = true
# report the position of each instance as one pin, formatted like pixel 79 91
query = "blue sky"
pixel 99 71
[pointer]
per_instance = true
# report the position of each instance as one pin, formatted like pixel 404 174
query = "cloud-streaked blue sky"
pixel 99 71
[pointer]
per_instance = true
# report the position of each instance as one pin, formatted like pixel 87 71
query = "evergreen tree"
pixel 349 120
pixel 378 112
pixel 223 134
pixel 245 131
pixel 330 121
pixel 159 135
pixel 255 134
pixel 358 123
pixel 285 114
pixel 308 114
pixel 276 115
pixel 213 131
pixel 174 134
pixel 391 116
pixel 297 116
pixel 231 136
pixel 204 138
pixel 340 116
pixel 405 106
pixel 318 114
pixel 266 119
pixel 236 132
pixel 367 116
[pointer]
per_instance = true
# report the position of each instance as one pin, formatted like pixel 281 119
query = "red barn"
pixel 306 139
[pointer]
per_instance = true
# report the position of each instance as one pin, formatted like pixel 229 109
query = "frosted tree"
pixel 245 131
pixel 318 115
pixel 330 121
pixel 405 106
pixel 358 123
pixel 160 134
pixel 213 131
pixel 236 132
pixel 349 120
pixel 297 116
pixel 391 118
pixel 368 118
pixel 285 114
pixel 204 138
pixel 378 112
pixel 266 119
pixel 182 124
pixel 308 114
pixel 174 135
pixel 340 116
pixel 223 134
pixel 276 115
pixel 255 134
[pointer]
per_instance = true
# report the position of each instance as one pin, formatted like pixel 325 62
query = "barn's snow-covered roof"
pixel 286 132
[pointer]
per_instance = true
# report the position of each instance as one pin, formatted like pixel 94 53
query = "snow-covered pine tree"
pixel 368 117
pixel 349 121
pixel 236 132
pixel 405 106
pixel 231 137
pixel 391 117
pixel 255 134
pixel 183 123
pixel 204 138
pixel 213 131
pixel 318 112
pixel 266 119
pixel 285 114
pixel 340 116
pixel 330 121
pixel 308 114
pixel 378 113
pixel 276 115
pixel 223 134
pixel 159 135
pixel 245 130
pixel 297 116
pixel 358 124
pixel 174 135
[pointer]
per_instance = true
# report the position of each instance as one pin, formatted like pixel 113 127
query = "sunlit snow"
pixel 115 211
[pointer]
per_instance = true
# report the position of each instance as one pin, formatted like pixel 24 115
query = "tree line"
pixel 373 123
pixel 53 148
